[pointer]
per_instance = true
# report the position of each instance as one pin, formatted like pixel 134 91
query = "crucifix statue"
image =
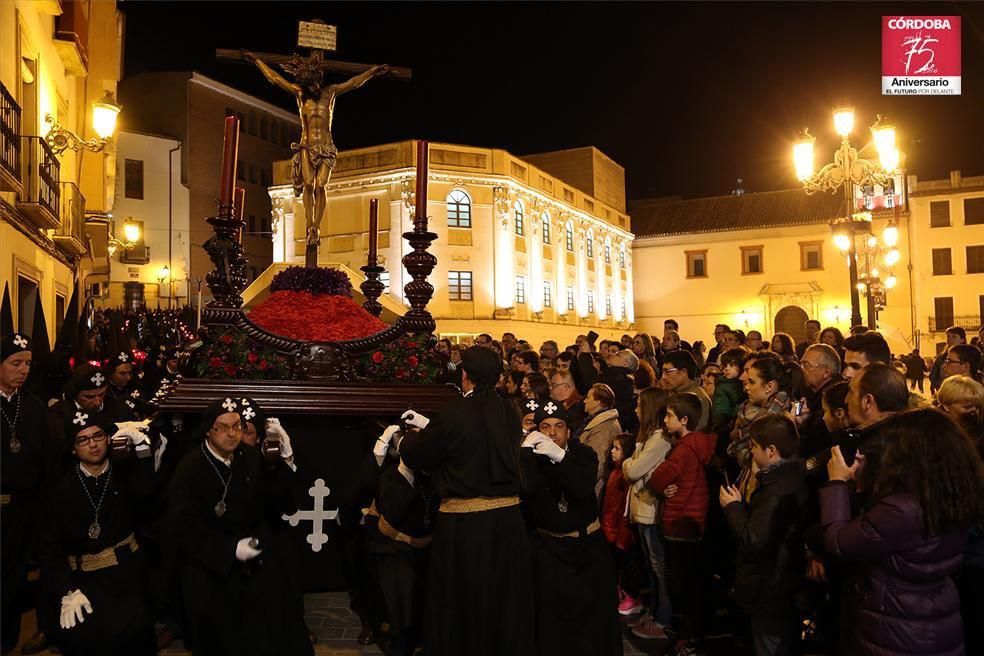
pixel 315 154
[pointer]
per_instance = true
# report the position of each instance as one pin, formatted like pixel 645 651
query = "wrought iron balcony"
pixel 10 143
pixel 969 322
pixel 40 199
pixel 70 236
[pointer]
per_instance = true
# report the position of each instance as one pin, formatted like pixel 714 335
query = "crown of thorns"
pixel 303 68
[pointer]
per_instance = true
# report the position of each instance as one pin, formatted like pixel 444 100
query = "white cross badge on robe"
pixel 123 357
pixel 550 408
pixel 248 413
pixel 80 418
pixel 98 379
pixel 20 341
pixel 229 405
pixel 317 516
pixel 532 405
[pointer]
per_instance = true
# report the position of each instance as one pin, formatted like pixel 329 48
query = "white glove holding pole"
pixel 549 449
pixel 246 552
pixel 134 431
pixel 274 428
pixel 383 441
pixel 415 419
pixel 534 438
pixel 72 606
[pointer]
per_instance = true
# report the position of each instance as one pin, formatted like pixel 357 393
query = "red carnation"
pixel 377 357
pixel 401 373
pixel 226 339
pixel 252 357
pixel 215 363
pixel 411 344
pixel 412 361
pixel 264 365
pixel 231 370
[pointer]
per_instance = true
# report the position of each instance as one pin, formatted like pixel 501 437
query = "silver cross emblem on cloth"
pixel 98 379
pixel 248 413
pixel 80 418
pixel 550 408
pixel 229 405
pixel 20 341
pixel 532 405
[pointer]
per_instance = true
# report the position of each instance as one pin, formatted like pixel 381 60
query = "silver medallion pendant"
pixel 94 531
pixel 220 508
pixel 15 445
pixel 562 504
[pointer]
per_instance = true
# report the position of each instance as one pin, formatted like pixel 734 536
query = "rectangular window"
pixel 570 298
pixel 621 257
pixel 608 253
pixel 811 255
pixel 252 223
pixel 133 176
pixel 608 305
pixel 942 262
pixel 520 228
pixel 939 214
pixel 751 260
pixel 944 313
pixel 459 285
pixel 520 289
pixel 384 278
pixel 59 313
pixel 547 295
pixel 253 177
pixel 974 211
pixel 696 264
pixel 569 239
pixel 546 229
pixel 240 169
pixel 623 309
pixel 975 259
pixel 590 246
pixel 590 301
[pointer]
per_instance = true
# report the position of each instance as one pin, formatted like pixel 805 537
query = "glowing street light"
pixel 844 121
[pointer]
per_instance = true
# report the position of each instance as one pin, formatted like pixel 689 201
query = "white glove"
pixel 245 552
pixel 383 441
pixel 415 419
pixel 72 605
pixel 534 438
pixel 549 449
pixel 274 428
pixel 134 431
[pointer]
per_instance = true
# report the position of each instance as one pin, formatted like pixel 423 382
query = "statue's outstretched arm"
pixel 271 75
pixel 361 79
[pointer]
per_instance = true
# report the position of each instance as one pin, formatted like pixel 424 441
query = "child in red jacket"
pixel 685 512
pixel 617 529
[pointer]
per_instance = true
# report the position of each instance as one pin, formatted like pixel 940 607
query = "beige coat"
pixel 643 504
pixel 599 434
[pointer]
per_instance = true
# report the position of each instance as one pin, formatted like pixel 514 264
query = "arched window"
pixel 545 218
pixel 569 237
pixel 590 244
pixel 518 218
pixel 459 209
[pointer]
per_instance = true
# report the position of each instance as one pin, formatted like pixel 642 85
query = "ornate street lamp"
pixel 131 235
pixel 104 114
pixel 847 170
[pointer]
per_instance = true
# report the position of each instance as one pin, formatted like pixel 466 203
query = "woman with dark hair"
pixel 833 337
pixel 909 540
pixel 535 386
pixel 783 346
pixel 771 387
pixel 642 346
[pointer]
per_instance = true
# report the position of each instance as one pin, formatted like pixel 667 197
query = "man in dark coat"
pixel 91 563
pixel 121 390
pixel 479 599
pixel 573 573
pixel 26 467
pixel 161 376
pixel 223 499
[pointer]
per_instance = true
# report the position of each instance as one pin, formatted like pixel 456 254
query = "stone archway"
pixel 791 320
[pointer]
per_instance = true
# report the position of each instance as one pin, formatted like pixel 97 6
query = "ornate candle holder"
pixel 372 288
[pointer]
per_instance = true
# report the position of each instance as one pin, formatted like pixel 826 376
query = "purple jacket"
pixel 904 601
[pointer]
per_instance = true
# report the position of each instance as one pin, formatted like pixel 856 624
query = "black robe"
pixel 23 477
pixel 232 607
pixel 574 577
pixel 479 597
pixel 61 415
pixel 399 569
pixel 121 621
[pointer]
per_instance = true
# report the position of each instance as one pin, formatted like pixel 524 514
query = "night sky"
pixel 687 97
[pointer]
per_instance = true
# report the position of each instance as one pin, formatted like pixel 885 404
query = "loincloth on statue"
pixel 316 154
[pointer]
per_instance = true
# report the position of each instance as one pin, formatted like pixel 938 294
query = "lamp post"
pixel 847 170
pixel 131 235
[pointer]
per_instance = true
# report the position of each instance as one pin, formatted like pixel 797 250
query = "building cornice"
pixel 218 87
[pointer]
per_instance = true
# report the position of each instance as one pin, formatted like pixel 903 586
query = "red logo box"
pixel 921 55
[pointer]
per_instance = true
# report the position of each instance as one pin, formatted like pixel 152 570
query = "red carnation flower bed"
pixel 304 316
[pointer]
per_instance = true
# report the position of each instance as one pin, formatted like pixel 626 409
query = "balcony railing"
pixel 41 196
pixel 969 322
pixel 71 234
pixel 10 143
